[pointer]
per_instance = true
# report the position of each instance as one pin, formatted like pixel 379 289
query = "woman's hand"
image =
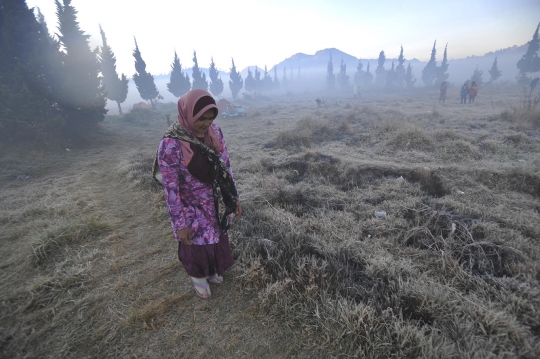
pixel 184 235
pixel 238 211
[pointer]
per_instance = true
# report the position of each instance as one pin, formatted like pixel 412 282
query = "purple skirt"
pixel 206 260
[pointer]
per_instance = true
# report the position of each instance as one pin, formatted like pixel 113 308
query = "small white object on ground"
pixel 67 149
pixel 380 214
pixel 453 228
pixel 400 178
pixel 460 192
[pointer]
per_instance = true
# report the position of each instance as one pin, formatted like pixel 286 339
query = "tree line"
pixel 50 84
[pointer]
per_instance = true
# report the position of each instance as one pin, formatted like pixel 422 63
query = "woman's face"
pixel 202 123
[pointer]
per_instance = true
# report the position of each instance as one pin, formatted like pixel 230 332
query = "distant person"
pixel 443 88
pixel 199 190
pixel 355 92
pixel 464 91
pixel 473 91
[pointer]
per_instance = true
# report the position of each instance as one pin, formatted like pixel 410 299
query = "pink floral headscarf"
pixel 201 101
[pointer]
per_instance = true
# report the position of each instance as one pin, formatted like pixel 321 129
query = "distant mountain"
pixel 321 58
pixel 459 70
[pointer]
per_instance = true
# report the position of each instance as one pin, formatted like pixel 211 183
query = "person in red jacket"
pixel 473 91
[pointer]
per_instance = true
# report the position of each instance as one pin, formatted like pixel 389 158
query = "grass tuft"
pixel 48 246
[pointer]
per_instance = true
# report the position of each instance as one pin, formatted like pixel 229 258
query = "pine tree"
pixel 41 20
pixel 343 78
pixel 390 78
pixel 441 70
pixel 29 69
pixel 478 77
pixel 267 83
pixel 429 73
pixel 284 81
pixel 494 73
pixel 400 71
pixel 330 77
pixel 368 77
pixel 409 78
pixel 249 84
pixel 199 78
pixel 144 80
pixel 257 82
pixel 235 83
pixel 276 80
pixel 380 71
pixel 82 96
pixel 216 85
pixel 179 81
pixel 292 78
pixel 530 62
pixel 298 77
pixel 116 88
pixel 359 74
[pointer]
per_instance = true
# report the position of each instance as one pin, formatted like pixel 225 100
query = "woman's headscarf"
pixel 191 106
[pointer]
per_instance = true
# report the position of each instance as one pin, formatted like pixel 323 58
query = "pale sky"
pixel 265 32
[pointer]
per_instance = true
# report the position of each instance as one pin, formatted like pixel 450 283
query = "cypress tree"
pixel 116 88
pixel 380 71
pixel 235 83
pixel 400 71
pixel 359 74
pixel 441 70
pixel 199 78
pixel 144 80
pixel 257 83
pixel 249 84
pixel 29 65
pixel 276 80
pixel 82 96
pixel 409 78
pixel 41 20
pixel 530 62
pixel 478 77
pixel 368 76
pixel 343 78
pixel 429 73
pixel 390 78
pixel 494 72
pixel 267 82
pixel 330 77
pixel 216 85
pixel 292 77
pixel 179 82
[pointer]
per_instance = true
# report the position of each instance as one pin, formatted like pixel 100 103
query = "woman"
pixel 473 91
pixel 464 92
pixel 197 180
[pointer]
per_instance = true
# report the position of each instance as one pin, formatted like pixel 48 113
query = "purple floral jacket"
pixel 190 202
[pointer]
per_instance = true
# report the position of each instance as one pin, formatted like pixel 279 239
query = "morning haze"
pixel 386 156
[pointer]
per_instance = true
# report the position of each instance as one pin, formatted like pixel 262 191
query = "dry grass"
pixel 451 271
